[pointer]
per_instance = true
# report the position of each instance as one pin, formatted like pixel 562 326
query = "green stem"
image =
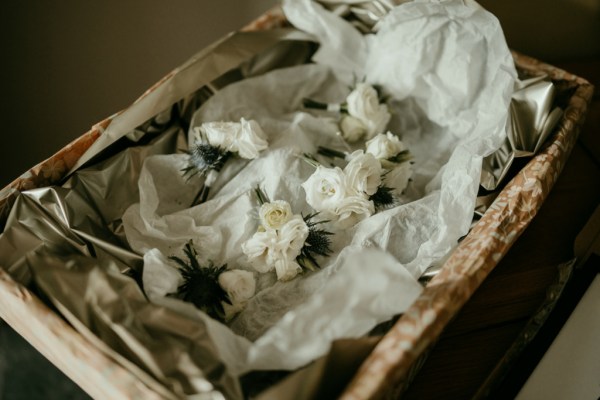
pixel 331 153
pixel 310 159
pixel 309 103
pixel 201 196
pixel 261 196
pixel 401 157
pixel 317 105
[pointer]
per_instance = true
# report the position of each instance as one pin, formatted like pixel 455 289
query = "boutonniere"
pixel 286 242
pixel 219 292
pixel 370 181
pixel 214 143
pixel 364 113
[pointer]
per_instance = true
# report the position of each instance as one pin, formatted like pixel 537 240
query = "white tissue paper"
pixel 450 76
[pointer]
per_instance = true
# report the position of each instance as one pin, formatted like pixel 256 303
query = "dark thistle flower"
pixel 201 284
pixel 204 157
pixel 317 243
pixel 383 198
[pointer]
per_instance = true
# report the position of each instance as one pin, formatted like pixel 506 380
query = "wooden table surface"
pixel 475 342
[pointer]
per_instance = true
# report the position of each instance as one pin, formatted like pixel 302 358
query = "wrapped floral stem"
pixel 331 153
pixel 215 143
pixel 285 242
pixel 317 105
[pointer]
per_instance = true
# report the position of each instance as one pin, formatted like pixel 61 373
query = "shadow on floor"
pixel 26 375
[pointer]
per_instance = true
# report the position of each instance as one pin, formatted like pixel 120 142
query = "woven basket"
pixel 386 372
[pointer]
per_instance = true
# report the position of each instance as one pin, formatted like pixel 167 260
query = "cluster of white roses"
pixel 278 241
pixel 347 196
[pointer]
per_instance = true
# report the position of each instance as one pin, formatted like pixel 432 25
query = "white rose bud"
pixel 278 249
pixel 250 140
pixel 220 134
pixel 239 285
pixel 257 250
pixel 353 209
pixel 363 173
pixel 352 128
pixel 292 236
pixel 273 215
pixel 325 188
pixel 385 146
pixel 363 104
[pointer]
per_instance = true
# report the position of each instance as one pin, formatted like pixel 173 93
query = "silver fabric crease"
pixel 532 119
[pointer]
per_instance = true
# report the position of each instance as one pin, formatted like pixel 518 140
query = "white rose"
pixel 220 134
pixel 385 146
pixel 278 249
pixel 287 269
pixel 250 139
pixel 325 188
pixel 257 250
pixel 291 237
pixel 363 104
pixel 352 128
pixel 353 209
pixel 239 285
pixel 397 178
pixel 273 215
pixel 363 173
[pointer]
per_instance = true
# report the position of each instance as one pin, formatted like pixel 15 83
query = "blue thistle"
pixel 201 284
pixel 317 243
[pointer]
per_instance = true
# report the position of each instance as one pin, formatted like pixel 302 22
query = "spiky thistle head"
pixel 383 198
pixel 203 157
pixel 201 283
pixel 317 243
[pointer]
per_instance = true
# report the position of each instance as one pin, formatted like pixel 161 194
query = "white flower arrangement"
pixel 215 142
pixel 337 193
pixel 392 156
pixel 370 181
pixel 285 242
pixel 363 114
